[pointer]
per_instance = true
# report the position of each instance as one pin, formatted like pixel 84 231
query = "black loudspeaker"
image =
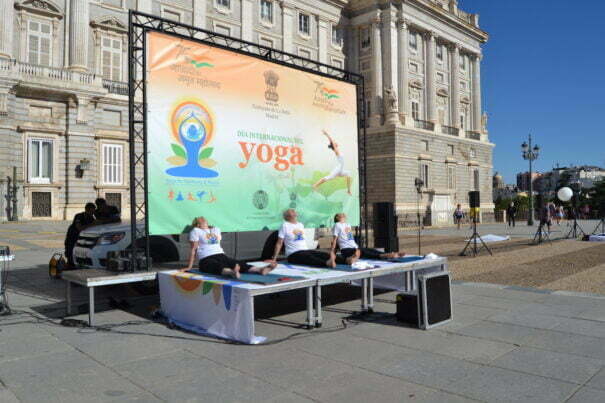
pixel 474 199
pixel 539 202
pixel 430 306
pixel 385 227
pixel 602 209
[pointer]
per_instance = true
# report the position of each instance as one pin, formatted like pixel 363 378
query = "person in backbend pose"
pixel 349 251
pixel 340 165
pixel 206 246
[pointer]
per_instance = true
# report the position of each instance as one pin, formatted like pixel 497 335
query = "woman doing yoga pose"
pixel 339 170
pixel 206 247
pixel 343 237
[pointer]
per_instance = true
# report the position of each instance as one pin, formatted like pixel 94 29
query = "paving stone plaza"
pixel 506 342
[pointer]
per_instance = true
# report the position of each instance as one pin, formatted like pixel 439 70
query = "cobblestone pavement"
pixel 506 342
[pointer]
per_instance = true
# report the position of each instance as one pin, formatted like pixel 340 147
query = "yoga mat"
pixel 406 259
pixel 256 278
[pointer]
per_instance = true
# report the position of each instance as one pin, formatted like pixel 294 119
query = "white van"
pixel 95 242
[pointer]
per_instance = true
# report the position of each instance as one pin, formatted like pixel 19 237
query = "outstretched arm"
pixel 325 133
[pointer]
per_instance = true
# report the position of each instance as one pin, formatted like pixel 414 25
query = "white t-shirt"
pixel 293 236
pixel 342 230
pixel 209 241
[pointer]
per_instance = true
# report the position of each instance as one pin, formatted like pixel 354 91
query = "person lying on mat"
pixel 206 246
pixel 292 234
pixel 343 237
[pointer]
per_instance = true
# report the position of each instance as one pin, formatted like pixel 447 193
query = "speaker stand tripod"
pixel 601 224
pixel 575 229
pixel 473 241
pixel 541 235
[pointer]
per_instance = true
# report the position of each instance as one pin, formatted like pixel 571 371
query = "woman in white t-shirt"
pixel 349 250
pixel 292 235
pixel 206 247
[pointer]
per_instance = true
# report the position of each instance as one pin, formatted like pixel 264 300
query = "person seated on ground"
pixel 80 222
pixel 349 251
pixel 206 246
pixel 106 214
pixel 292 234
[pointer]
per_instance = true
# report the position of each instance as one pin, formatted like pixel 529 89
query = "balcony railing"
pixel 115 87
pixel 473 135
pixel 24 70
pixel 452 131
pixel 423 124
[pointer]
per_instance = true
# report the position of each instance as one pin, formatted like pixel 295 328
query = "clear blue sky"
pixel 543 72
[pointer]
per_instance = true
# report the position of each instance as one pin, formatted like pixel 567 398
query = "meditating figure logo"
pixel 298 235
pixel 193 128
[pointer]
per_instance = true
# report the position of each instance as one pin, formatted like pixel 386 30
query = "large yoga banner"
pixel 238 140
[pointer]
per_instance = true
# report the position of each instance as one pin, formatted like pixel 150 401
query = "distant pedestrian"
pixel 559 214
pixel 511 214
pixel 458 215
pixel 545 217
pixel 586 212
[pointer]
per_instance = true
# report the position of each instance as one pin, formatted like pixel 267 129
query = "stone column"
pixel 287 27
pixel 402 54
pixel 455 85
pixel 353 57
pixel 247 20
pixel 376 118
pixel 199 13
pixel 430 77
pixel 322 39
pixel 7 16
pixel 476 93
pixel 78 35
pixel 390 70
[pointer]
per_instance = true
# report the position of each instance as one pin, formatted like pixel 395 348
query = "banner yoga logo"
pixel 193 129
pixel 189 286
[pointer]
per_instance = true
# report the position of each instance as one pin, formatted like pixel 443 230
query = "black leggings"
pixel 214 264
pixel 310 257
pixel 366 253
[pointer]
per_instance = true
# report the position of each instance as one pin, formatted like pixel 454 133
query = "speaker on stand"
pixel 601 223
pixel 474 199
pixel 540 234
pixel 385 227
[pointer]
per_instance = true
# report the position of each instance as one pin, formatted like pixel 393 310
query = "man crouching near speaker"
pixel 292 234
pixel 349 251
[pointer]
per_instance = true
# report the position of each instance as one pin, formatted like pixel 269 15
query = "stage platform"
pixel 224 307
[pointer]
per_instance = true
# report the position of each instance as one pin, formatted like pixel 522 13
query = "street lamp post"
pixel 530 154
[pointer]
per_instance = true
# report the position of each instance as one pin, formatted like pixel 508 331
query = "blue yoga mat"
pixel 406 259
pixel 256 278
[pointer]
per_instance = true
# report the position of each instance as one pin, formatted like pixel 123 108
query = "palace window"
pixel 414 40
pixel 111 158
pixel 451 176
pixel 365 38
pixel 450 149
pixel 415 110
pixel 462 121
pixel 473 153
pixel 111 58
pixel 304 23
pixel 424 174
pixel 266 11
pixel 337 36
pixel 463 62
pixel 439 52
pixel 224 4
pixel 40 160
pixel 424 145
pixel 39 39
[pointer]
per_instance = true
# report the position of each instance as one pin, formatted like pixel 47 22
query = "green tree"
pixel 596 196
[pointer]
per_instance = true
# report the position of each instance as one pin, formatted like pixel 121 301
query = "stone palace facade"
pixel 63 93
